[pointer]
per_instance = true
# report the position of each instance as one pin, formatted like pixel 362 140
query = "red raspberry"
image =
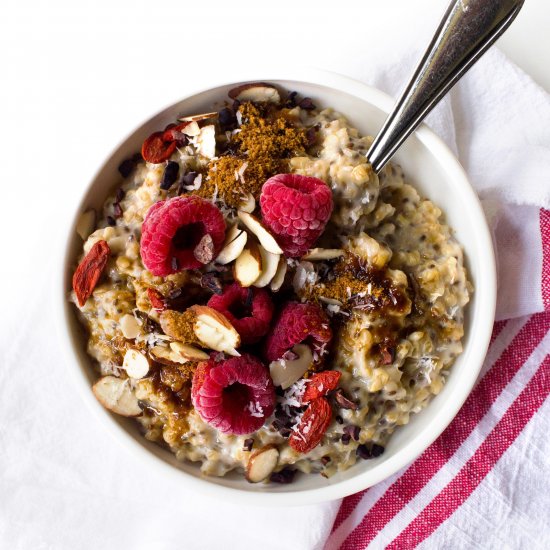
pixel 235 396
pixel 249 310
pixel 172 230
pixel 296 209
pixel 297 323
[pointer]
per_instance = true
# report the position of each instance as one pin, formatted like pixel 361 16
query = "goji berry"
pixel 89 270
pixel 156 299
pixel 312 426
pixel 156 150
pixel 320 384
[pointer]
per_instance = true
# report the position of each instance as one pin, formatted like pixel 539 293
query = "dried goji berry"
pixel 173 132
pixel 320 384
pixel 156 150
pixel 89 270
pixel 156 299
pixel 313 425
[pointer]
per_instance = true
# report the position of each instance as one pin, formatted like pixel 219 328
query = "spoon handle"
pixel 467 30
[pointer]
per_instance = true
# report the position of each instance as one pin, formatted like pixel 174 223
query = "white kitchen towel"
pixel 494 121
pixel 76 81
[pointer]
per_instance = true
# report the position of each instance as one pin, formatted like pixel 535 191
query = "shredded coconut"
pixel 197 182
pixel 293 397
pixel 255 409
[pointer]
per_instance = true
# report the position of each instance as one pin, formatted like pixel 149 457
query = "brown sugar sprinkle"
pixel 360 286
pixel 173 388
pixel 179 325
pixel 266 140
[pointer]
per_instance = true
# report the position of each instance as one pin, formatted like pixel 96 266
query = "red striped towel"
pixel 460 493
pixel 484 483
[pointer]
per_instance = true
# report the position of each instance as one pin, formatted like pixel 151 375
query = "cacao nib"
pixel 353 431
pixel 211 282
pixel 187 179
pixel 284 476
pixel 119 194
pixel 364 452
pixel 311 136
pixel 285 432
pixel 291 100
pixel 227 119
pixel 307 104
pixel 126 167
pixel 343 401
pixel 376 450
pixel 170 175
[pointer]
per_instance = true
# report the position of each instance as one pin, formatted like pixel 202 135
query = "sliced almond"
pixel 167 356
pixel 86 224
pixel 117 396
pixel 248 204
pixel 330 301
pixel 190 353
pixel 206 141
pixel 214 331
pixel 316 254
pixel 279 277
pixel 129 327
pixel 264 236
pixel 262 463
pixel 234 244
pixel 270 262
pixel 255 91
pixel 192 129
pixel 196 118
pixel 135 364
pixel 285 372
pixel 248 266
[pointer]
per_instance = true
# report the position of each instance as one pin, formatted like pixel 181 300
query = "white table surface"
pixel 527 41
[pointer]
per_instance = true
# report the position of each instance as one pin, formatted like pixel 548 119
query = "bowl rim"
pixel 485 284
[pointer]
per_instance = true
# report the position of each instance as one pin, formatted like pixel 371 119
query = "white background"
pixel 76 78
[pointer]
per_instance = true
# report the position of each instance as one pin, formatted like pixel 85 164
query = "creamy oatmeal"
pixel 260 300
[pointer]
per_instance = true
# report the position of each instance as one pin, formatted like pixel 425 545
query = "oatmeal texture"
pixel 395 299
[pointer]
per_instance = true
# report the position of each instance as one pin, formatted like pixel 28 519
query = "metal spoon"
pixel 467 30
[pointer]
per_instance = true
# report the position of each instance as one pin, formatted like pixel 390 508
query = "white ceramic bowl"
pixel 433 169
